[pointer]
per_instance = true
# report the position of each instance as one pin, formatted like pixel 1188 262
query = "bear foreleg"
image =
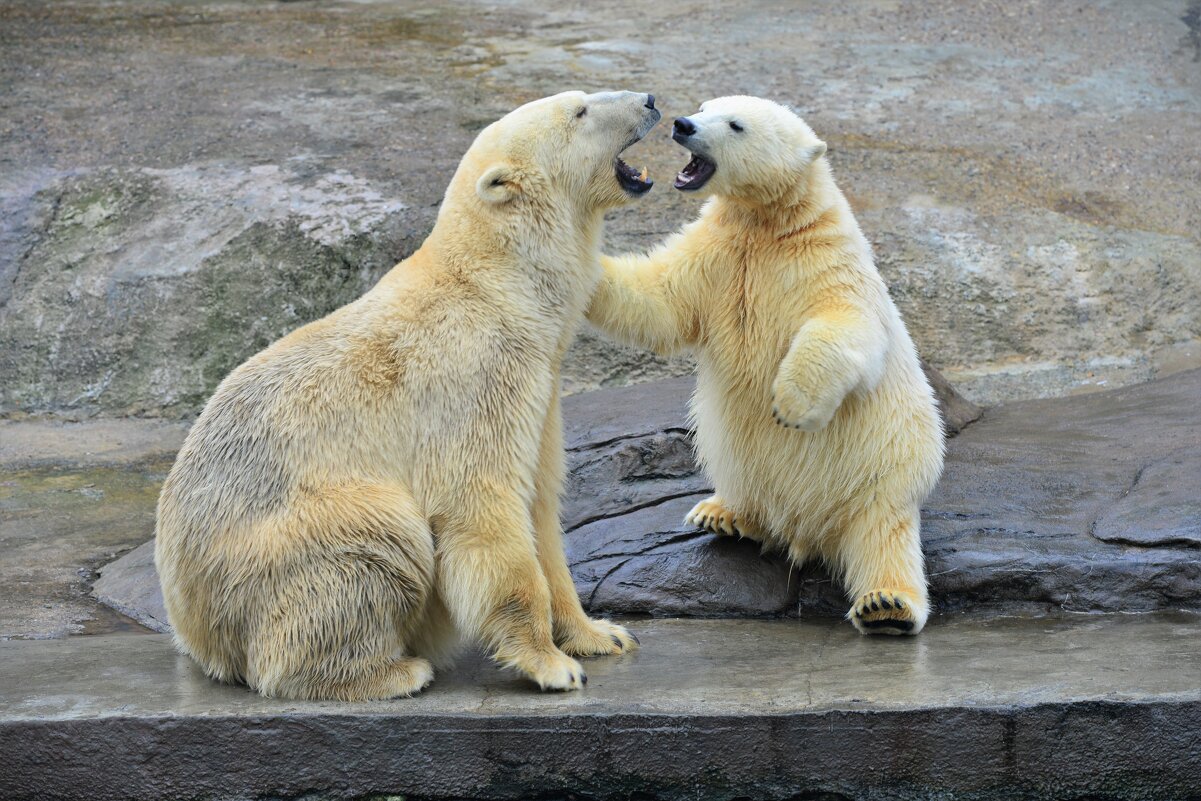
pixel 491 580
pixel 574 632
pixel 832 354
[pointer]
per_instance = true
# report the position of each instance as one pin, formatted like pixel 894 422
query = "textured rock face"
pixel 1162 508
pixel 1076 504
pixel 144 288
pixel 180 185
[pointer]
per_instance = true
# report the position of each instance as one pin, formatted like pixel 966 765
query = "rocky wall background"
pixel 183 182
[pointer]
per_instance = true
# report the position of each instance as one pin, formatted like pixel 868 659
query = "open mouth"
pixel 632 181
pixel 696 173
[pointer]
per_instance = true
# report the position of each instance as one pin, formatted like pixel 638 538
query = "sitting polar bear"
pixel 812 415
pixel 382 477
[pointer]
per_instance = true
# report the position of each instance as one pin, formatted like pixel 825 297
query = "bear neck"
pixel 787 209
pixel 547 252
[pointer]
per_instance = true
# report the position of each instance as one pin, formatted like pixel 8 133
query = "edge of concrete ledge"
pixel 1098 749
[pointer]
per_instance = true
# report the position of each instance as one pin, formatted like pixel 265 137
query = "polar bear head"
pixel 561 150
pixel 746 147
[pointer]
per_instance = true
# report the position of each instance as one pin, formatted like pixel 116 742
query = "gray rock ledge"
pixel 1086 503
pixel 1079 504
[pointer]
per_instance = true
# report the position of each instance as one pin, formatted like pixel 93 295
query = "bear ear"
pixel 811 153
pixel 497 184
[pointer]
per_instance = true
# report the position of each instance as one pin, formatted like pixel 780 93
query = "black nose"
pixel 650 101
pixel 684 127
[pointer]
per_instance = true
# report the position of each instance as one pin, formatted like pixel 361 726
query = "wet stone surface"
pixel 723 709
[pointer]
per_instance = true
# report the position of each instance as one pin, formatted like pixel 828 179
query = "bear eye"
pixel 735 126
pixel 581 112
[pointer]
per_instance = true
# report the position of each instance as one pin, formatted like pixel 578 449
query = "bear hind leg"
pixel 715 516
pixel 337 616
pixel 880 556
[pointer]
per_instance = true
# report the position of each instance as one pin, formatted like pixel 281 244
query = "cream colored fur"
pixel 812 415
pixel 386 477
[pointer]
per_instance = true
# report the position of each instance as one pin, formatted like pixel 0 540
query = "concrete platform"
pixel 1083 707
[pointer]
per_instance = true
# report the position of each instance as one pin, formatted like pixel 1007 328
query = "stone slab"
pixel 132 588
pixel 74 495
pixel 706 709
pixel 58 524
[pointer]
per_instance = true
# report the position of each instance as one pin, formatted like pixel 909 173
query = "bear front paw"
pixel 555 671
pixel 793 408
pixel 598 638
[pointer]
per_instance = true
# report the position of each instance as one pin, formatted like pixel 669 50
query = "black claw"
pixel 584 679
pixel 634 637
pixel 616 640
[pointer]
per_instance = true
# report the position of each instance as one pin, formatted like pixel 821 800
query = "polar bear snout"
pixel 634 182
pixel 650 116
pixel 682 128
pixel 701 166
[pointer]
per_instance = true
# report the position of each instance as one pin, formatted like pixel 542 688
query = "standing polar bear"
pixel 813 417
pixel 378 479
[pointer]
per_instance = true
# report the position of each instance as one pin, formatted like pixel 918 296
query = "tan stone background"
pixel 183 182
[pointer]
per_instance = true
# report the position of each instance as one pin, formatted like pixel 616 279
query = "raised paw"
pixel 792 408
pixel 712 515
pixel 556 671
pixel 888 612
pixel 598 638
